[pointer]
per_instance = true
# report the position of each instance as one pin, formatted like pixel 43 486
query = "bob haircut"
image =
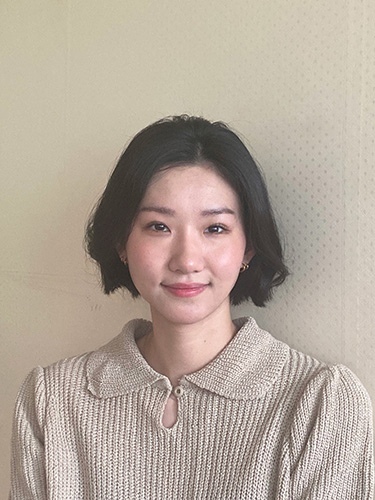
pixel 177 141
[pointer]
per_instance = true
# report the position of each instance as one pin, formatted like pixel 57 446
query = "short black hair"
pixel 177 141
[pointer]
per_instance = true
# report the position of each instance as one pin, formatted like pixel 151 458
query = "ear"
pixel 121 252
pixel 249 255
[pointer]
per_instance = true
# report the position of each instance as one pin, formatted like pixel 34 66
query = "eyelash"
pixel 221 227
pixel 153 226
pixel 163 228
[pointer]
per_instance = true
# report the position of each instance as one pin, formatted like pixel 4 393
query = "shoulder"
pixel 310 378
pixel 45 384
pixel 327 439
pixel 325 383
pixel 75 374
pixel 324 405
pixel 330 434
pixel 343 386
pixel 322 392
pixel 326 391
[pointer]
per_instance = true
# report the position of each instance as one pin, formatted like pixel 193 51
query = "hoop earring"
pixel 244 267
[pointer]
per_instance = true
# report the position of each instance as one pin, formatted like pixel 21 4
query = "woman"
pixel 191 405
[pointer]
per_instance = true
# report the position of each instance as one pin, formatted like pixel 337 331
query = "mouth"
pixel 185 289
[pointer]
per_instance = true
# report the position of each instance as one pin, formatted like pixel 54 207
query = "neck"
pixel 177 350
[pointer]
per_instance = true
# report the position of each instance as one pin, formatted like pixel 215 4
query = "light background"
pixel 294 77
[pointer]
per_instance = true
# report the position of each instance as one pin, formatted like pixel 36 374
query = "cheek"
pixel 138 256
pixel 136 250
pixel 141 272
pixel 142 260
pixel 229 260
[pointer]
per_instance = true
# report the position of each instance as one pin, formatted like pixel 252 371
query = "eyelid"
pixel 219 225
pixel 222 228
pixel 157 223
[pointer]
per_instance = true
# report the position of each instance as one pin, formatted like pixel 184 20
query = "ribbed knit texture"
pixel 262 421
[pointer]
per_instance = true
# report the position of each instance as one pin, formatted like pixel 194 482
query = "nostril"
pixel 185 266
pixel 186 262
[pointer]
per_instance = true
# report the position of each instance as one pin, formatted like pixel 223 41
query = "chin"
pixel 186 317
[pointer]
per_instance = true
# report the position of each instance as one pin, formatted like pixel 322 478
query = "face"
pixel 187 245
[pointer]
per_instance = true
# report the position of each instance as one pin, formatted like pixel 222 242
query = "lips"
pixel 185 289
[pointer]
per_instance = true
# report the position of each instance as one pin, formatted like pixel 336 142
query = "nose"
pixel 186 254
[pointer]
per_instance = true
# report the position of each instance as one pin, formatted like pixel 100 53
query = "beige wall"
pixel 80 78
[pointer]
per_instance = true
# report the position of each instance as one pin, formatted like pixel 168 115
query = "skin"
pixel 184 253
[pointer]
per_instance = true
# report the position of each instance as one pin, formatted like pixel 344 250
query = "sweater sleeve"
pixel 330 443
pixel 27 463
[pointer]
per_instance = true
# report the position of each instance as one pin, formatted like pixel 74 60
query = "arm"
pixel 27 465
pixel 330 443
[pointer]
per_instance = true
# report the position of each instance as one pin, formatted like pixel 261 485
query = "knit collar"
pixel 245 369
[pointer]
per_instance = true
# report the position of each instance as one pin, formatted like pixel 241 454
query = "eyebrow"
pixel 218 211
pixel 204 213
pixel 159 210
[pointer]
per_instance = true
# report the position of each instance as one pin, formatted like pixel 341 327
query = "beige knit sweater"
pixel 262 421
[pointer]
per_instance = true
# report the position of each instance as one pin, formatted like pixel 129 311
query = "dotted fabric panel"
pixel 318 155
pixel 365 348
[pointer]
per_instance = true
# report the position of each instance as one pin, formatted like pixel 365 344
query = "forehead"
pixel 199 184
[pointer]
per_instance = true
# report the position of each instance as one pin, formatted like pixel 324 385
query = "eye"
pixel 158 227
pixel 216 229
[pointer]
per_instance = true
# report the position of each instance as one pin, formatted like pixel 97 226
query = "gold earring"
pixel 244 267
pixel 124 261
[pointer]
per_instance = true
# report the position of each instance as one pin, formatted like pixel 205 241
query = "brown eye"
pixel 159 227
pixel 216 229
